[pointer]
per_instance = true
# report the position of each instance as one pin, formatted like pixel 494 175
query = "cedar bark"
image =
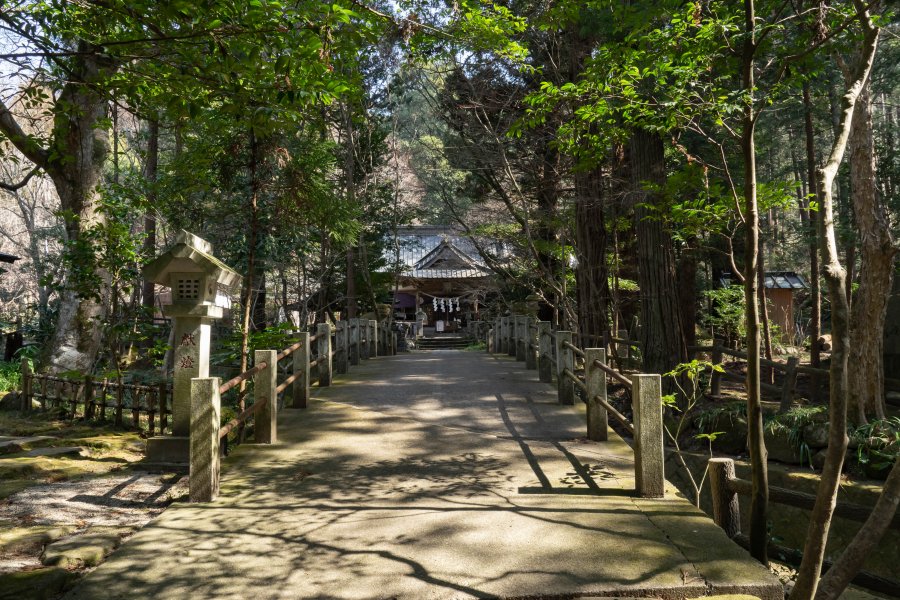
pixel 835 276
pixel 877 251
pixel 661 331
pixel 592 272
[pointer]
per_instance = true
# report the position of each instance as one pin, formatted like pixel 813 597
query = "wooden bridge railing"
pixel 321 353
pixel 554 354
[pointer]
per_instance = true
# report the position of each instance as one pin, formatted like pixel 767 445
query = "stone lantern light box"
pixel 194 275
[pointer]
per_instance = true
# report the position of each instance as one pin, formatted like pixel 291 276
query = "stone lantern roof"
pixel 190 254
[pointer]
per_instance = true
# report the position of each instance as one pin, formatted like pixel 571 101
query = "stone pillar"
pixel 595 380
pixel 521 325
pixel 725 504
pixel 342 347
pixel 545 352
pixel 354 342
pixel 511 335
pixel 323 330
pixel 373 338
pixel 565 359
pixel 531 346
pixel 265 421
pixel 300 387
pixel 191 360
pixel 206 414
pixel 649 466
pixel 489 341
pixel 27 382
pixel 503 345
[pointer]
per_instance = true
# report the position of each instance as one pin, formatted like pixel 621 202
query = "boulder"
pixel 11 401
pixel 816 435
pixel 781 448
pixel 86 549
pixel 732 434
pixel 825 342
pixel 20 444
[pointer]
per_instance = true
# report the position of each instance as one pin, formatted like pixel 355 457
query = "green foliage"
pixel 705 419
pixel 10 376
pixel 278 337
pixel 727 311
pixel 878 443
pixel 792 423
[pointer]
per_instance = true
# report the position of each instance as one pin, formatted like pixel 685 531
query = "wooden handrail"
pixel 619 416
pixel 846 510
pixel 231 383
pixel 578 351
pixel 575 379
pixel 612 373
pixel 245 414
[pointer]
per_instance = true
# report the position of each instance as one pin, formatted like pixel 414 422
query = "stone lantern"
pixel 194 275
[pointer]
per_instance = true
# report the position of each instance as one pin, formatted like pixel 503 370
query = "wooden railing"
pixel 326 351
pixel 725 488
pixel 98 399
pixel 556 357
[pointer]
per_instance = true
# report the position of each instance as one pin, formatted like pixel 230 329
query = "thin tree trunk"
pixel 151 166
pixel 877 251
pixel 591 273
pixel 835 276
pixel 250 275
pixel 759 502
pixel 865 541
pixel 815 327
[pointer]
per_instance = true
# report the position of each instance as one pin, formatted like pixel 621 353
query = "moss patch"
pixel 35 585
pixel 31 540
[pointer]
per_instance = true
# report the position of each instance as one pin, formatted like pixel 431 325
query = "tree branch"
pixel 14 187
pixel 22 141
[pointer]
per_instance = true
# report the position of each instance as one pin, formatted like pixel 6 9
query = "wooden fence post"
pixel 565 359
pixel 790 384
pixel 206 411
pixel 265 422
pixel 324 342
pixel 89 399
pixel 649 466
pixel 531 346
pixel 715 381
pixel 163 398
pixel 504 341
pixel 27 383
pixel 511 335
pixel 300 367
pixel 595 380
pixel 373 339
pixel 355 343
pixel 726 508
pixel 623 349
pixel 342 343
pixel 545 352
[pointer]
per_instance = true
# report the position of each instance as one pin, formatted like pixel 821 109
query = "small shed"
pixel 781 287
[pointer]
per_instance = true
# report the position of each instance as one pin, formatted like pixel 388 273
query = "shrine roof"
pixel 429 252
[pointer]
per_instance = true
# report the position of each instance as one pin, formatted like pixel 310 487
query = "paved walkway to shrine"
pixel 444 474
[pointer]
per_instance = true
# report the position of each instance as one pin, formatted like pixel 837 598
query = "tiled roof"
pixel 438 253
pixel 776 280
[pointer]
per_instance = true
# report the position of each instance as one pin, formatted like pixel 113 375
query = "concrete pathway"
pixel 445 474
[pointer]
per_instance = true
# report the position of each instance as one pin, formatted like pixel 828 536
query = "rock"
pixel 816 435
pixel 31 540
pixel 20 444
pixel 57 451
pixel 818 459
pixel 825 342
pixel 86 549
pixel 11 401
pixel 781 448
pixel 37 584
pixel 732 437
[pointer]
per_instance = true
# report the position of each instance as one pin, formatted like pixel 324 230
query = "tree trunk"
pixel 759 502
pixel 151 167
pixel 835 276
pixel 661 331
pixel 877 251
pixel 815 317
pixel 591 273
pixel 686 274
pixel 865 541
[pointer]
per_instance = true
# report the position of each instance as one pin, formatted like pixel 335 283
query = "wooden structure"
pixel 444 278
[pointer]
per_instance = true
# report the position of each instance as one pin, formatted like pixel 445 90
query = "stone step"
pixel 11 445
